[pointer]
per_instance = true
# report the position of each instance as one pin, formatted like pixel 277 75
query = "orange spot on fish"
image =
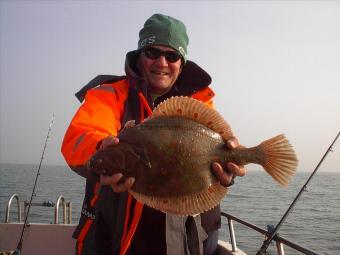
pixel 195 115
pixel 173 145
pixel 209 123
pixel 179 110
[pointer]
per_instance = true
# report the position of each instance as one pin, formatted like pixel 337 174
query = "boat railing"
pixel 65 206
pixel 67 216
pixel 67 209
pixel 279 241
pixel 8 207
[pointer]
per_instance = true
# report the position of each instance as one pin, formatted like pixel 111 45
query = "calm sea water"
pixel 313 223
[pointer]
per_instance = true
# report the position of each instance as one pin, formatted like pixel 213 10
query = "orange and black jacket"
pixel 109 102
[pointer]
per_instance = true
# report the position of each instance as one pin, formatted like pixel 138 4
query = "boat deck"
pixel 225 248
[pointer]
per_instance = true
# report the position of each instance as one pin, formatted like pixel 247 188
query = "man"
pixel 157 70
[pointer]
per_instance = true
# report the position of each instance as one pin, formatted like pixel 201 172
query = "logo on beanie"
pixel 181 50
pixel 147 41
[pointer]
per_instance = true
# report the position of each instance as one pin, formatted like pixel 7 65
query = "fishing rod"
pixel 272 235
pixel 19 247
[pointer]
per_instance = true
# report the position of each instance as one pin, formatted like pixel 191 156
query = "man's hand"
pixel 227 174
pixel 113 180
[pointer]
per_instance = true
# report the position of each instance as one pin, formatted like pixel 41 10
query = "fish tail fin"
pixel 279 159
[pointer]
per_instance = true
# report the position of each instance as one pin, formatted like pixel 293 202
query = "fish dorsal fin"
pixel 185 205
pixel 195 110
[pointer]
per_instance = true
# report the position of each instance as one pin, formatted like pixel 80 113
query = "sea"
pixel 314 221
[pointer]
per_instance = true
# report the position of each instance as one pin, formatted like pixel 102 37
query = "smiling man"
pixel 159 66
pixel 157 70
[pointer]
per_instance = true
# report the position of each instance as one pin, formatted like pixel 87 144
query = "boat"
pixel 40 237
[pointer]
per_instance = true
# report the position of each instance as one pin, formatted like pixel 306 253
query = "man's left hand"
pixel 226 174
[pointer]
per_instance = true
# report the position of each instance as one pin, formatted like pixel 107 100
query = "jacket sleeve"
pixel 98 117
pixel 205 95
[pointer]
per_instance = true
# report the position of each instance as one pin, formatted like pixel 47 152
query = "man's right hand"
pixel 113 180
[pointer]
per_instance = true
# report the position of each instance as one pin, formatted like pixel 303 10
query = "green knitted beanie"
pixel 164 30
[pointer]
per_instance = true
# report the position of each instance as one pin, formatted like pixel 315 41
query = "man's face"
pixel 159 73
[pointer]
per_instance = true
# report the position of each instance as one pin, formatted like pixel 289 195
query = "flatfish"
pixel 170 156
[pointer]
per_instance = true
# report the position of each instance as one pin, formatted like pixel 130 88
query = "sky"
pixel 275 67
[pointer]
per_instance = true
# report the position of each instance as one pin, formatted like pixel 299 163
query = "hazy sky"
pixel 275 67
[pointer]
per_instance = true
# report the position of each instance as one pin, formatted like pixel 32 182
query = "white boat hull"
pixel 52 239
